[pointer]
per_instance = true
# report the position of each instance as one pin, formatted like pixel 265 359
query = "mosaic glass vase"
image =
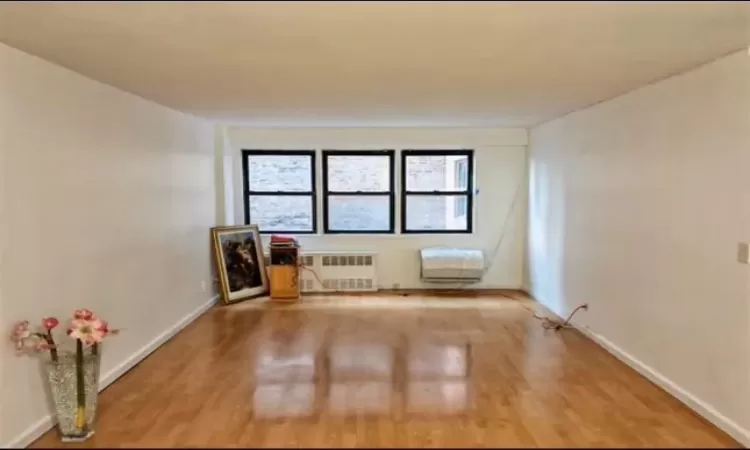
pixel 74 384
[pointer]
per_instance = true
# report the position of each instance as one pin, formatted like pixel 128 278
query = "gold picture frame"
pixel 240 265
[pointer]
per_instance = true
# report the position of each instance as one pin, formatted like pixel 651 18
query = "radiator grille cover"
pixel 339 271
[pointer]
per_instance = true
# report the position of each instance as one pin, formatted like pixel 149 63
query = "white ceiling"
pixel 377 63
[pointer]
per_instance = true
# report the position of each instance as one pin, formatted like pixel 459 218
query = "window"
pixel 437 193
pixel 358 191
pixel 279 190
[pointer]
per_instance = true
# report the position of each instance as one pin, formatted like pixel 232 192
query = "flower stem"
pixel 51 342
pixel 81 413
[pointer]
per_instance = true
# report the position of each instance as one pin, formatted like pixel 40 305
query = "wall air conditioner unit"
pixel 447 265
pixel 343 271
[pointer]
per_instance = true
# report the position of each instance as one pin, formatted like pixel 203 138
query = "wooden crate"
pixel 284 273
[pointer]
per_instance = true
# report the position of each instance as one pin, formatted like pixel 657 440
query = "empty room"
pixel 371 224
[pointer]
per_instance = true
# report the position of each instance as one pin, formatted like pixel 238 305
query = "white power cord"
pixel 488 261
pixel 496 250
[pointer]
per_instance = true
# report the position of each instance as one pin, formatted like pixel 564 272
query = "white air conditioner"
pixel 451 264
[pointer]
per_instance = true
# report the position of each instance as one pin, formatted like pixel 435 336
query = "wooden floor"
pixel 387 372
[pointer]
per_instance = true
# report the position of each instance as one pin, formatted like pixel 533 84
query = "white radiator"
pixel 451 264
pixel 338 271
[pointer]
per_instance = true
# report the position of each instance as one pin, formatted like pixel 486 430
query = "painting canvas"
pixel 239 259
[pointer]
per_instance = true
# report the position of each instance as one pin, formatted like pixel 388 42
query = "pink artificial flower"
pixel 42 345
pixel 102 326
pixel 30 344
pixel 89 332
pixel 50 322
pixel 84 314
pixel 20 334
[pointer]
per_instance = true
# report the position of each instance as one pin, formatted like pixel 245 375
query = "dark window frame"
pixel 391 193
pixel 247 193
pixel 468 192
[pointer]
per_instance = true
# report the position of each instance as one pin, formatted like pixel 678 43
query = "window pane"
pixel 461 173
pixel 459 206
pixel 281 212
pixel 439 212
pixel 437 173
pixel 359 213
pixel 359 173
pixel 280 173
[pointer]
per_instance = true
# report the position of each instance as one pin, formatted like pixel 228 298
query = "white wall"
pixel 108 199
pixel 636 206
pixel 223 177
pixel 500 160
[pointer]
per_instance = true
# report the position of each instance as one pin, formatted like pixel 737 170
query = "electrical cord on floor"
pixel 554 324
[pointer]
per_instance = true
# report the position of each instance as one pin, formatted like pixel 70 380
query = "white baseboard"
pixel 155 343
pixel 705 410
pixel 455 285
pixel 32 433
pixel 43 425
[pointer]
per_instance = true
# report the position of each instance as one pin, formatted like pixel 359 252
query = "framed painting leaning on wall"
pixel 239 261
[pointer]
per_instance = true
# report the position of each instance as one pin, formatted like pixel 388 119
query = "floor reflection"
pixel 428 359
pixel 437 397
pixel 355 372
pixel 371 361
pixel 272 366
pixel 271 401
pixel 437 378
pixel 360 397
